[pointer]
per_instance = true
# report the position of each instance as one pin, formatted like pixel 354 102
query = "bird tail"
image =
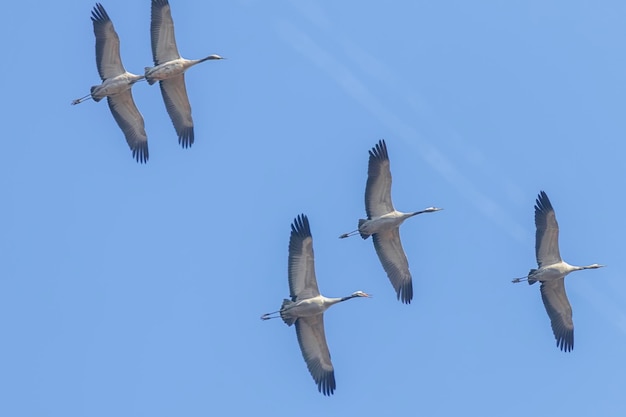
pixel 149 79
pixel 287 318
pixel 95 98
pixel 530 280
pixel 363 235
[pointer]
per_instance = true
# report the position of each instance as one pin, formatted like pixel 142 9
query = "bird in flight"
pixel 383 223
pixel 307 306
pixel 551 273
pixel 116 85
pixel 169 69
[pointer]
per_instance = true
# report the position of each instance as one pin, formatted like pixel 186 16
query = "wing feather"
pixel 391 254
pixel 378 187
pixel 312 340
pixel 560 312
pixel 177 104
pixel 108 58
pixel 547 235
pixel 302 281
pixel 162 33
pixel 131 122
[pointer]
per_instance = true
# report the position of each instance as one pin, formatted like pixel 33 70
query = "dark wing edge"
pixel 177 105
pixel 161 14
pixel 547 233
pixel 389 247
pixel 301 251
pixel 378 177
pixel 312 340
pixel 105 36
pixel 560 312
pixel 131 122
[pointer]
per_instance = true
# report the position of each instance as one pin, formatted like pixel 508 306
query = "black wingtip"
pixel 543 202
pixel 300 226
pixel 565 341
pixel 99 15
pixel 141 154
pixel 405 292
pixel 327 384
pixel 186 137
pixel 379 151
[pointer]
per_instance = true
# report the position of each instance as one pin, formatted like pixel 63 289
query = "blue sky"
pixel 136 290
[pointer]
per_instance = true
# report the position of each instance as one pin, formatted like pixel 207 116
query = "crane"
pixel 551 273
pixel 169 68
pixel 307 306
pixel 116 85
pixel 383 223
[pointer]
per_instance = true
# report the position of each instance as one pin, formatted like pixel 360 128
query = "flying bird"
pixel 169 69
pixel 552 272
pixel 116 84
pixel 307 306
pixel 383 223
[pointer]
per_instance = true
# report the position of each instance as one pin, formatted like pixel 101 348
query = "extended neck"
pixel 428 210
pixel 592 266
pixel 209 57
pixel 572 268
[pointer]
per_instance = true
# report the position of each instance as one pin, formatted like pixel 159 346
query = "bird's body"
pixel 113 86
pixel 173 68
pixel 293 310
pixel 551 272
pixel 383 223
pixel 169 68
pixel 306 307
pixel 116 85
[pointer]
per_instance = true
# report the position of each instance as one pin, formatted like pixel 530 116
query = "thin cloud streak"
pixel 303 44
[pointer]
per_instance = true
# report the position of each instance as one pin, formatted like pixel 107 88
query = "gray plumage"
pixel 383 223
pixel 306 307
pixel 116 85
pixel 169 68
pixel 551 272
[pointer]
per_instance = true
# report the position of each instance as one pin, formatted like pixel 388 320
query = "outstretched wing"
pixel 302 281
pixel 162 33
pixel 108 58
pixel 312 340
pixel 560 312
pixel 177 104
pixel 131 122
pixel 547 235
pixel 378 187
pixel 391 254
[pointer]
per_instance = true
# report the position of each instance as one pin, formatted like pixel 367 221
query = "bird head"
pixel 360 294
pixel 595 266
pixel 214 57
pixel 432 209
